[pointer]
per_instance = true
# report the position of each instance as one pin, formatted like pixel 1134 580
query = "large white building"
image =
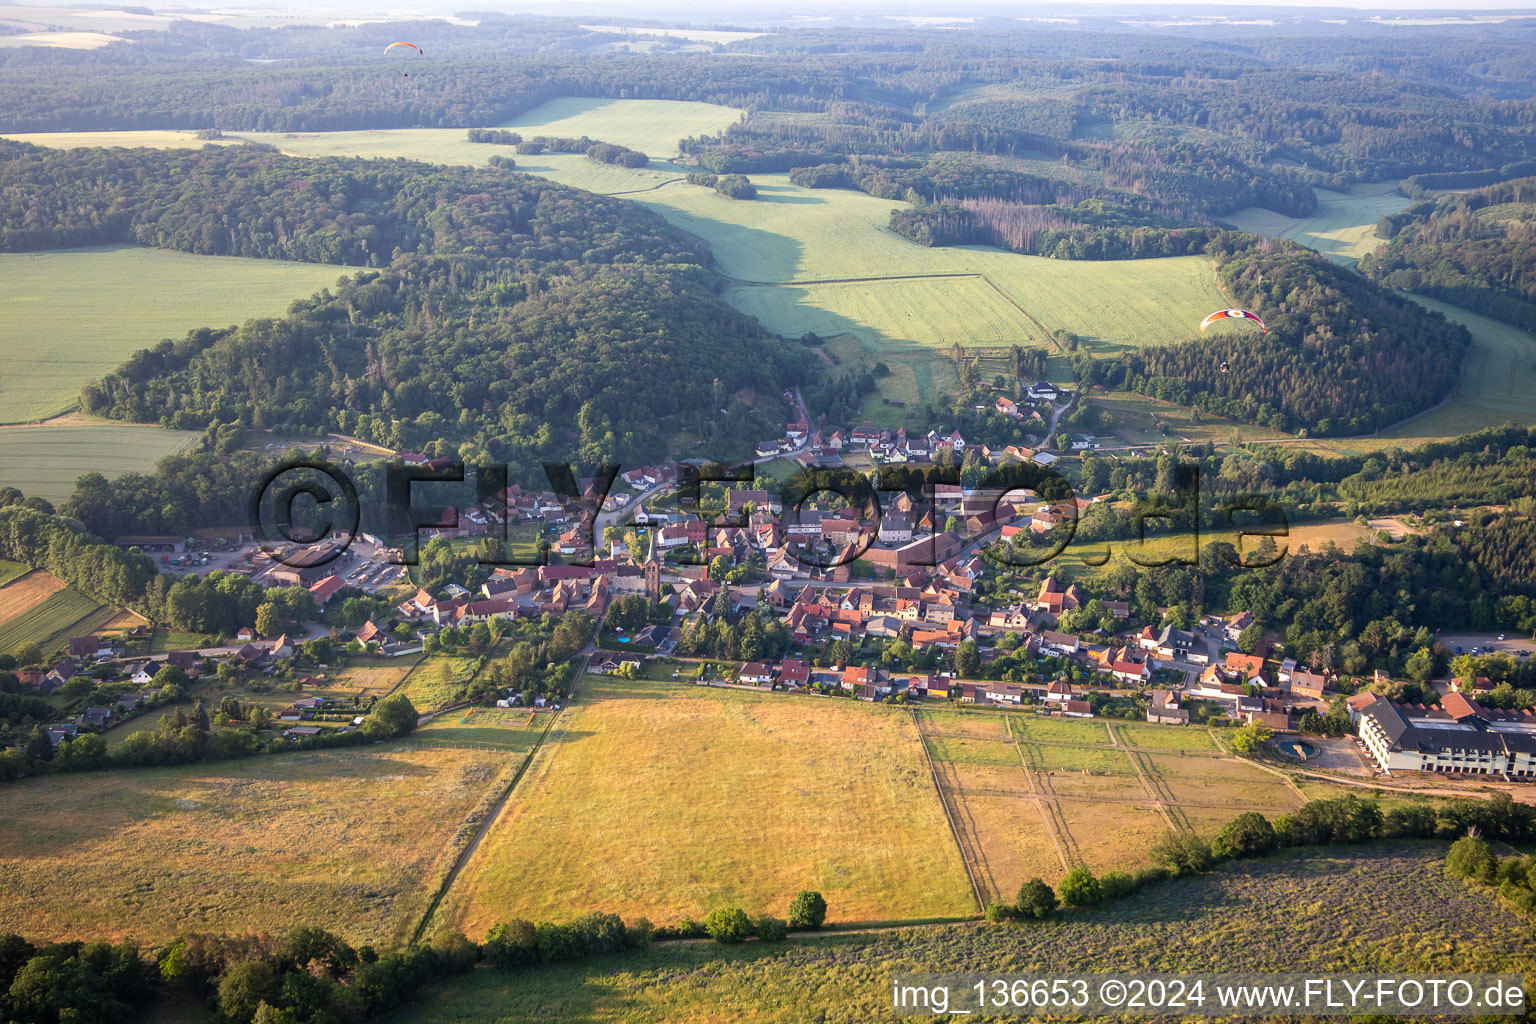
pixel 1460 736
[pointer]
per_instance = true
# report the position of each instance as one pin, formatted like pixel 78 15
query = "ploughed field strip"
pixel 1034 796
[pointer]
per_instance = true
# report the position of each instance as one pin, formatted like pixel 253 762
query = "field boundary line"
pixel 494 813
pixel 1044 796
pixel 949 817
pixel 1284 776
pixel 1156 796
pixel 491 817
pixel 1048 338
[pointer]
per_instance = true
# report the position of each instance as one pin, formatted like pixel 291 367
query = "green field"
pixel 503 728
pixel 76 314
pixel 436 680
pixel 45 460
pixel 67 613
pixel 669 800
pixel 1498 382
pixel 652 126
pixel 1344 226
pixel 824 260
pixel 351 840
pixel 1381 908
pixel 11 570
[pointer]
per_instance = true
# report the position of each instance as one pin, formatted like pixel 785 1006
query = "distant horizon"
pixel 701 14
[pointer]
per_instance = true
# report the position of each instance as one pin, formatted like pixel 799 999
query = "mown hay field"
pixel 73 315
pixel 1383 908
pixel 506 729
pixel 1164 737
pixel 24 590
pixel 351 840
pixel 128 140
pixel 666 801
pixel 52 621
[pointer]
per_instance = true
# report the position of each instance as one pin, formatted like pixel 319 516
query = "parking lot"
pixel 1489 643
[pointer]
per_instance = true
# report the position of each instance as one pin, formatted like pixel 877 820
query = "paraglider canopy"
pixel 1233 314
pixel 413 46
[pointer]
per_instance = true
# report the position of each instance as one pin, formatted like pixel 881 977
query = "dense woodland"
pixel 1475 249
pixel 1341 357
pixel 559 322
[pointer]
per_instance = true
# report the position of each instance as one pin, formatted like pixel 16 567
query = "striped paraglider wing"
pixel 1233 314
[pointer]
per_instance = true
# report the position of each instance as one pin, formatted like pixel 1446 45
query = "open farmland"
pixel 51 622
pixel 1033 795
pixel 1382 908
pixel 652 126
pixel 840 269
pixel 1344 226
pixel 352 840
pixel 120 299
pixel 508 729
pixel 667 801
pixel 435 681
pixel 25 590
pixel 129 139
pixel 44 460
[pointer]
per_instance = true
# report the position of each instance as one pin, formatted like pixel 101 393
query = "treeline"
pixel 1342 356
pixel 602 152
pixel 1090 230
pixel 1476 249
pixel 190 739
pixel 1338 821
pixel 1418 186
pixel 506 314
pixel 311 976
pixel 495 136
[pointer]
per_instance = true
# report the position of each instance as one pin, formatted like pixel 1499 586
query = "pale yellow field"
pixel 62 40
pixel 652 799
pixel 354 841
pixel 130 140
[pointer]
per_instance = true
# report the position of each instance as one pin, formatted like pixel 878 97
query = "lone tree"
pixel 393 716
pixel 808 910
pixel 1183 853
pixel 1079 888
pixel 1248 835
pixel 1470 858
pixel 728 925
pixel 1036 899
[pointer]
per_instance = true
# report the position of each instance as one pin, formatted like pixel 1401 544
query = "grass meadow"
pixel 351 840
pixel 45 460
pixel 835 266
pixel 654 799
pixel 1344 226
pixel 1382 908
pixel 10 571
pixel 72 315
